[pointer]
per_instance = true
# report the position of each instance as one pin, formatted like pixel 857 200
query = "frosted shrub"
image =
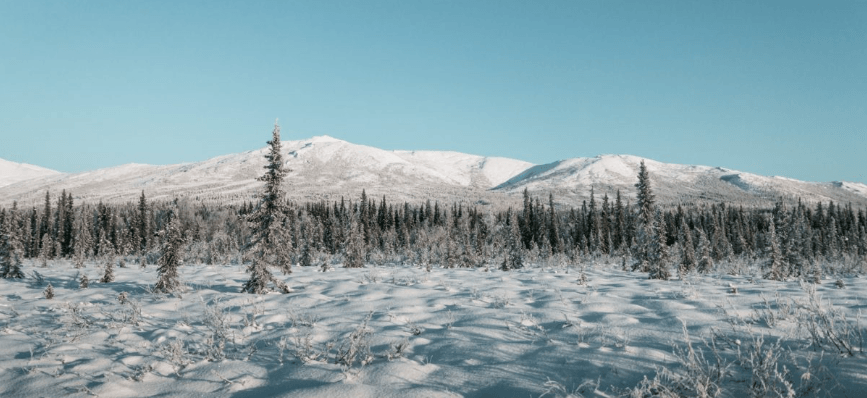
pixel 829 328
pixel 355 347
pixel 49 292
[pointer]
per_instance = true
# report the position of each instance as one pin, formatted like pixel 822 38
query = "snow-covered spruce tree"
pixel 687 250
pixel 650 247
pixel 83 239
pixel 776 266
pixel 83 282
pixel 513 257
pixel 171 256
pixel 10 253
pixel 106 250
pixel 266 247
pixel 705 261
pixel 355 248
pixel 108 275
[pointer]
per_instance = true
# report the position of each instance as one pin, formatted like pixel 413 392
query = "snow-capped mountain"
pixel 675 183
pixel 321 168
pixel 328 168
pixel 11 172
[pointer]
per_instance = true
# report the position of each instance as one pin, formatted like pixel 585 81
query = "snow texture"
pixel 444 333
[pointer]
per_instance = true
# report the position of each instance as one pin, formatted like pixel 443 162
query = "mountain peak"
pixel 13 172
pixel 324 138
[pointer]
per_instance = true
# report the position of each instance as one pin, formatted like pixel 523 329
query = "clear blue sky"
pixel 770 87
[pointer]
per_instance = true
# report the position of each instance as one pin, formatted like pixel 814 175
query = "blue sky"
pixel 771 87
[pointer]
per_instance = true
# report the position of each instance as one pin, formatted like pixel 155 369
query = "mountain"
pixel 322 168
pixel 571 179
pixel 328 168
pixel 11 172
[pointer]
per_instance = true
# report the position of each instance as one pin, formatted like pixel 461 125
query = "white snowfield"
pixel 403 332
pixel 328 168
pixel 12 172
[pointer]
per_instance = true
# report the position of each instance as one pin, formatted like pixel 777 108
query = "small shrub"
pixel 49 292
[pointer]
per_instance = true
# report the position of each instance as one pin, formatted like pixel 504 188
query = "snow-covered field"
pixel 406 332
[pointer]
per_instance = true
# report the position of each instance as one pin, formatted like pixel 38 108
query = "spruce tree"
pixel 687 250
pixel 354 246
pixel 513 257
pixel 776 266
pixel 171 257
pixel 143 224
pixel 10 251
pixel 705 261
pixel 650 246
pixel 108 274
pixel 267 246
pixel 553 226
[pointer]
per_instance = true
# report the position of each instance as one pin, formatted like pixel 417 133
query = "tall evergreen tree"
pixel 144 226
pixel 513 257
pixel 266 248
pixel 45 222
pixel 776 265
pixel 687 250
pixel 10 250
pixel 171 256
pixel 553 226
pixel 354 246
pixel 650 245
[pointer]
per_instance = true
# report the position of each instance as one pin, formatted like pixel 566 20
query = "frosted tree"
pixel 687 250
pixel 650 247
pixel 705 261
pixel 10 251
pixel 171 257
pixel 83 239
pixel 513 257
pixel 553 226
pixel 144 226
pixel 267 248
pixel 49 292
pixel 776 266
pixel 354 246
pixel 108 273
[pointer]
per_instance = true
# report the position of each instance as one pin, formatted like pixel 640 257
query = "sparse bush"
pixel 217 323
pixel 829 328
pixel 355 348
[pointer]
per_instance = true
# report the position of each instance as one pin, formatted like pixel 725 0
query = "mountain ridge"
pixel 327 168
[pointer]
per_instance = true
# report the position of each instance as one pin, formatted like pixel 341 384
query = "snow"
pixel 462 168
pixel 467 332
pixel 12 172
pixel 327 168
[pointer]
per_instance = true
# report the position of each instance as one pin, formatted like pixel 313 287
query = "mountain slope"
pixel 328 168
pixel 11 172
pixel 674 183
pixel 322 168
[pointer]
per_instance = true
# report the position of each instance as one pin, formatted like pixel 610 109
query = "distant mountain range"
pixel 326 168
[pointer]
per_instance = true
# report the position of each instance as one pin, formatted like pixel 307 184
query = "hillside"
pixel 328 168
